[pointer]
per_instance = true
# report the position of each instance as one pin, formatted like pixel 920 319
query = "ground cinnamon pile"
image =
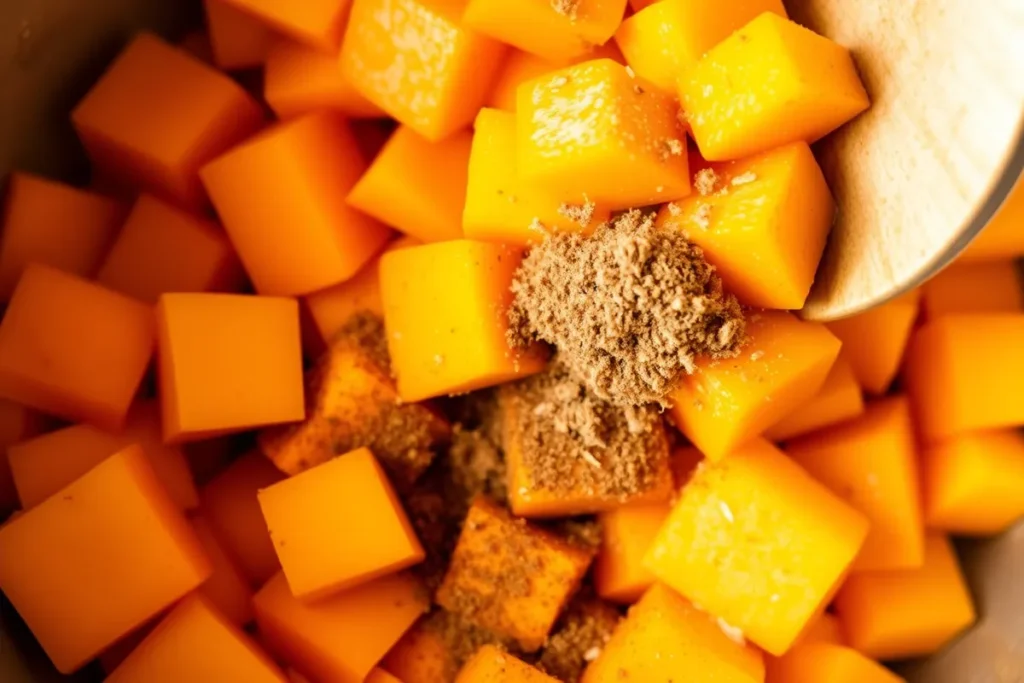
pixel 629 308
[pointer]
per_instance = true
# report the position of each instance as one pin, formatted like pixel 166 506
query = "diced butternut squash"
pixel 770 83
pixel 195 642
pixel 874 341
pixel 871 462
pixel 664 41
pixel 112 657
pixel 379 675
pixel 756 541
pixel 367 620
pixel 502 207
pixel 581 633
pixel 417 186
pixel 316 22
pixel 230 506
pixel 17 423
pixel 518 68
pixel 817 662
pixel 326 242
pixel 728 402
pixel 595 129
pixel 960 369
pixel 44 221
pixel 838 400
pixel 554 31
pixel 44 465
pixel 158 115
pixel 238 40
pixel 72 348
pixel 338 525
pixel 493 665
pixel 90 564
pixel 637 5
pixel 972 483
pixel 974 288
pixel 445 315
pixel 905 613
pixel 626 535
pixel 299 79
pixel 762 222
pixel 825 629
pixel 433 75
pixel 1002 238
pixel 665 638
pixel 227 363
pixel 422 655
pixel 163 249
pixel 509 577
pixel 227 589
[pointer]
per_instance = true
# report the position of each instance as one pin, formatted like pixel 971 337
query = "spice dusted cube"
pixel 338 525
pixel 816 662
pixel 580 634
pixel 158 115
pixel 871 462
pixel 665 40
pixel 368 620
pixel 194 642
pixel 510 577
pixel 756 541
pixel 327 241
pixel 227 589
pixel 72 348
pixel 432 76
pixel 665 638
pixel 874 341
pixel 238 40
pixel 972 482
pixel 838 400
pixel 417 186
pixel 445 314
pixel 725 403
pixel 770 83
pixel 555 31
pixel 491 664
pixel 903 613
pixel 316 22
pixel 960 371
pixel 626 534
pixel 762 222
pixel 227 363
pixel 434 649
pixel 117 551
pixel 595 129
pixel 44 221
pixel 163 249
pixel 973 288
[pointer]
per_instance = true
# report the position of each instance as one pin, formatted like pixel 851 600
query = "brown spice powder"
pixel 581 214
pixel 705 181
pixel 629 308
pixel 583 632
pixel 460 639
pixel 567 8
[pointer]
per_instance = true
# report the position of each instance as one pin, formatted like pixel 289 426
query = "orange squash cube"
pixel 960 369
pixel 118 551
pixel 158 115
pixel 783 365
pixel 17 423
pixel 112 657
pixel 379 675
pixel 194 642
pixel 238 40
pixel 316 22
pixel 228 363
pixel 871 462
pixel 665 638
pixel 972 482
pixel 874 341
pixel 902 613
pixel 1002 238
pixel 756 541
pixel 417 186
pixel 72 348
pixel 163 249
pixel 825 629
pixel 48 222
pixel 816 662
pixel 974 288
pixel 432 76
pixel 509 577
pixel 549 30
pixel 367 619
pixel 770 83
pixel 626 534
pixel 338 525
pixel 299 79
pixel 44 465
pixel 445 315
pixel 594 129
pixel 665 40
pixel 229 504
pixel 421 655
pixel 327 242
pixel 763 224
pixel 227 588
pixel 518 68
pixel 493 665
pixel 838 400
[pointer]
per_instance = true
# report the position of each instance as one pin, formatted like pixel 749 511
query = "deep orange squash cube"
pixel 493 665
pixel 238 40
pixel 317 22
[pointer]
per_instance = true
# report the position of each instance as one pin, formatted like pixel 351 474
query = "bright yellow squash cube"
pixel 594 128
pixel 771 83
